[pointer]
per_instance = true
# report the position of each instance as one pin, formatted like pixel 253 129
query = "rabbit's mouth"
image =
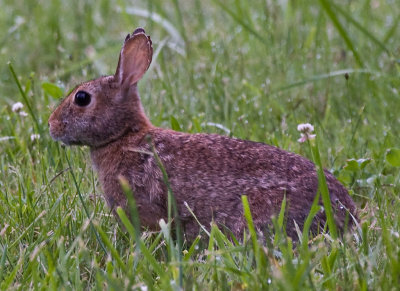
pixel 59 135
pixel 71 142
pixel 67 142
pixel 64 140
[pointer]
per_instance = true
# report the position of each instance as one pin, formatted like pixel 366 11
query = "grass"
pixel 251 71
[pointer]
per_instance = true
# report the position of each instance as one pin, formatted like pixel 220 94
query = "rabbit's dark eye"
pixel 82 98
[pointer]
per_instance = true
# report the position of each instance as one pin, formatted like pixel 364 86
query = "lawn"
pixel 248 69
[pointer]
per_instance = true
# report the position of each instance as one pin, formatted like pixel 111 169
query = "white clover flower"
pixel 35 137
pixel 17 107
pixel 23 114
pixel 306 130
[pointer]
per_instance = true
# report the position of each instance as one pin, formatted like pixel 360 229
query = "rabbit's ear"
pixel 135 58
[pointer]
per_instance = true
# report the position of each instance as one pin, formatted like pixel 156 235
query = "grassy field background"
pixel 250 69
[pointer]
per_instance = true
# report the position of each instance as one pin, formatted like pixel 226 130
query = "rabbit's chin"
pixel 65 141
pixel 72 143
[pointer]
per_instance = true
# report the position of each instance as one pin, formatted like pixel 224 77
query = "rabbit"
pixel 207 173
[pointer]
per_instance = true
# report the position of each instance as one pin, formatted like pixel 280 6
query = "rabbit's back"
pixel 210 173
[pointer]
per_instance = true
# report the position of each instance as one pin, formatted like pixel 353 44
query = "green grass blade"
pixel 5 284
pixel 133 211
pixel 325 76
pixel 84 204
pixel 171 203
pixel 27 229
pixel 392 30
pixel 328 283
pixel 240 21
pixel 252 230
pixel 323 188
pixel 151 259
pixel 280 222
pixel 175 124
pixel 23 95
pixel 360 27
pixel 281 217
pixel 180 20
pixel 114 253
pixel 126 222
pixel 168 26
pixel 315 208
pixel 191 250
pixel 326 5
pixel 249 219
pixel 3 261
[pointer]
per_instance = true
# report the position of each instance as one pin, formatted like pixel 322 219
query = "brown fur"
pixel 207 171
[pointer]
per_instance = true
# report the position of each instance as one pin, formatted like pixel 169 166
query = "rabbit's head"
pixel 100 111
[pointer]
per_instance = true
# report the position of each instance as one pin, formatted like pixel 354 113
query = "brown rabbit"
pixel 209 172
